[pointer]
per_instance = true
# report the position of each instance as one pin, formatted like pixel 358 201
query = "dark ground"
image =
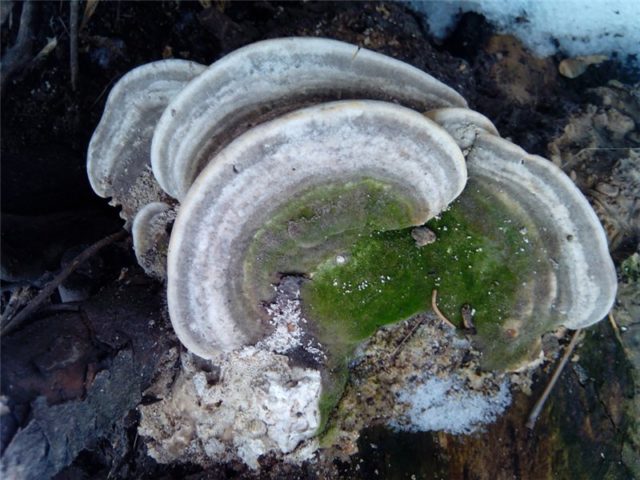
pixel 73 378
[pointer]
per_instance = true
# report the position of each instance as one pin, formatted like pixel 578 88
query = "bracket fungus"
pixel 269 78
pixel 118 161
pixel 276 167
pixel 150 233
pixel 316 160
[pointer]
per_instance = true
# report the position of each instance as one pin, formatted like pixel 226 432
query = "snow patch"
pixel 578 27
pixel 447 404
pixel 286 317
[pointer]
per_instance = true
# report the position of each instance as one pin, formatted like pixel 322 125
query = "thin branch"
pixel 407 337
pixel 61 308
pixel 616 330
pixel 18 56
pixel 104 90
pixel 48 290
pixel 537 408
pixel 19 297
pixel 73 42
pixel 434 305
pixel 5 12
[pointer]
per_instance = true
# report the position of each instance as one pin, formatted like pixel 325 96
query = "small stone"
pixel 423 236
pixel 607 189
pixel 574 67
pixel 511 333
pixel 615 122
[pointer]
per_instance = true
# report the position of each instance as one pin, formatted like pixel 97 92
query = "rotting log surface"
pixel 580 434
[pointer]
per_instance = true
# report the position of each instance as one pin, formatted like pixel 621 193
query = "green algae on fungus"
pixel 318 226
pixel 483 248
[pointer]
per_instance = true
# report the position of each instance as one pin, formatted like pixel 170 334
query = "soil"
pixel 92 359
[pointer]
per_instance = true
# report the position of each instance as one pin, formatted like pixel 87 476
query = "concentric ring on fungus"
pixel 267 79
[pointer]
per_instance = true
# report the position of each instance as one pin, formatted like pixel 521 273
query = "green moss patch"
pixel 316 226
pixel 365 270
pixel 482 253
pixel 479 258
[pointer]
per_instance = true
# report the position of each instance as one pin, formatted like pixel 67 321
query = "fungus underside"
pixel 482 253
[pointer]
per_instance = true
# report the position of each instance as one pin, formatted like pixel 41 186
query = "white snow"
pixel 287 320
pixel 449 405
pixel 579 27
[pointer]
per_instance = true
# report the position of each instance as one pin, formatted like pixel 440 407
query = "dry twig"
pixel 50 287
pixel 537 408
pixel 73 42
pixel 18 56
pixel 616 330
pixel 89 10
pixel 404 340
pixel 434 298
pixel 19 297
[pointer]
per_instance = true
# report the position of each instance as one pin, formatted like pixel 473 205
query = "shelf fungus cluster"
pixel 324 194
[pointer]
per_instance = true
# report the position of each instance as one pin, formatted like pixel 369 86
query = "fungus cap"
pixel 150 233
pixel 268 166
pixel 118 161
pixel 272 77
pixel 582 282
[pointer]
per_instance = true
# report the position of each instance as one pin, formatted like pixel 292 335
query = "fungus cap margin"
pixel 463 124
pixel 118 161
pixel 150 233
pixel 268 78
